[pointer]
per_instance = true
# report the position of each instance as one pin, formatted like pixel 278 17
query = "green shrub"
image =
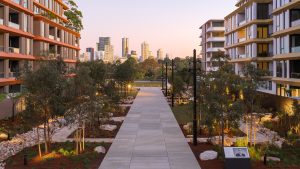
pixel 241 142
pixel 66 152
pixel 2 97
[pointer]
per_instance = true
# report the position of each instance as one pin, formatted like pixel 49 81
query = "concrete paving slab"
pixel 150 137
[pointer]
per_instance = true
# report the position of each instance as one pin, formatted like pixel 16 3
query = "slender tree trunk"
pixel 83 136
pixel 222 121
pixel 45 138
pixel 38 140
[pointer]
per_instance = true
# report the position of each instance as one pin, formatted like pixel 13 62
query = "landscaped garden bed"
pixel 62 156
pixel 290 158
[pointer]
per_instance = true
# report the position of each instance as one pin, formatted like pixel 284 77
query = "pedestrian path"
pixel 150 137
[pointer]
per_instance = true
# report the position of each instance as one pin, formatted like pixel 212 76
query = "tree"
pixel 219 95
pixel 252 80
pixel 74 16
pixel 45 94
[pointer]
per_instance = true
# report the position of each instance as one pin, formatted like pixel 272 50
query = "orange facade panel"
pixel 39 38
pixel 48 10
pixel 16 56
pixel 17 6
pixel 16 31
pixel 9 81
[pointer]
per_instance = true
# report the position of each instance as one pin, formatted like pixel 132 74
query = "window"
pixel 262 11
pixel 262 50
pixel 262 32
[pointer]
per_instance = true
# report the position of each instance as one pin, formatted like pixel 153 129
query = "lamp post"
pixel 162 76
pixel 195 142
pixel 173 83
pixel 166 80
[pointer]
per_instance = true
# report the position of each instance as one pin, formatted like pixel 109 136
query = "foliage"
pixel 241 142
pixel 74 16
pixel 2 97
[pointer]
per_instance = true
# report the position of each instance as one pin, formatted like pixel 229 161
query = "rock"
pixel 208 155
pixel 2 165
pixel 108 127
pixel 202 140
pixel 188 127
pixel 118 119
pixel 276 159
pixel 100 149
pixel 228 142
pixel 3 136
pixel 278 144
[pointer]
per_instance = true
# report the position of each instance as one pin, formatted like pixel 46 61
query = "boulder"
pixel 275 159
pixel 2 165
pixel 3 136
pixel 208 155
pixel 108 127
pixel 278 144
pixel 188 127
pixel 117 119
pixel 100 149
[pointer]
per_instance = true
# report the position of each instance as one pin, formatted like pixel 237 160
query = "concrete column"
pixel 6 68
pixel 6 42
pixel 6 15
pixel 21 21
pixel 55 49
pixel 46 30
pixel 22 45
pixel 6 89
pixel 55 33
pixel 288 69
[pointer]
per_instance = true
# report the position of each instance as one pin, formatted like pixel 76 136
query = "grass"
pixel 183 113
pixel 147 84
pixel 2 97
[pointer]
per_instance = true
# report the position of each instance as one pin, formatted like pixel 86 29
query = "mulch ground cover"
pixel 97 132
pixel 61 157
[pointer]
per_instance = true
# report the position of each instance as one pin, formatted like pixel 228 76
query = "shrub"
pixel 241 142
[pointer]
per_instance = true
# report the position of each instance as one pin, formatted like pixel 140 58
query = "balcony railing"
pixel 14 25
pixel 265 54
pixel 242 39
pixel 1 21
pixel 295 75
pixel 2 75
pixel 14 74
pixel 14 50
pixel 58 39
pixel 16 1
pixel 51 37
pixel 242 56
pixel 1 48
pixel 296 22
pixel 295 49
pixel 242 22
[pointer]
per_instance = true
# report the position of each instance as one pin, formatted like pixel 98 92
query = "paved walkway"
pixel 150 137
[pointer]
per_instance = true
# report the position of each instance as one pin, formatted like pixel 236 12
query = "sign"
pixel 236 152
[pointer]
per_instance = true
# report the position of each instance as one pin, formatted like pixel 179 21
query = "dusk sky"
pixel 172 25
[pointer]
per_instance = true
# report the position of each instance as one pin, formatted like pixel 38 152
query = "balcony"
pixel 216 39
pixel 14 25
pixel 58 39
pixel 242 56
pixel 215 49
pixel 14 50
pixel 14 74
pixel 211 29
pixel 51 37
pixel 1 21
pixel 2 75
pixel 295 49
pixel 295 23
pixel 264 54
pixel 242 39
pixel 17 1
pixel 242 23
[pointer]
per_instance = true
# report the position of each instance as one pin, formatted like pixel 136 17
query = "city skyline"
pixel 178 38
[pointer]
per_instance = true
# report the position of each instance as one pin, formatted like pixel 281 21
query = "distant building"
pixel 133 54
pixel 84 57
pixel 167 56
pixel 99 55
pixel 109 54
pixel 125 47
pixel 160 54
pixel 92 53
pixel 103 41
pixel 212 42
pixel 145 51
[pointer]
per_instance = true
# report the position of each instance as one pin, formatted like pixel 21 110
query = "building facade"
pixel 31 29
pixel 103 41
pixel 125 47
pixel 212 42
pixel 109 54
pixel 145 51
pixel 248 32
pixel 160 54
pixel 91 52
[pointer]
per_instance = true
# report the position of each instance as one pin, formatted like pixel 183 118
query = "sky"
pixel 172 25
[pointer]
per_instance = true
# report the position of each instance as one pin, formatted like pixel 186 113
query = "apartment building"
pixel 248 38
pixel 212 42
pixel 286 41
pixel 29 30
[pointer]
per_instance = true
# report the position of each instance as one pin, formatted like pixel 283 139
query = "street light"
pixel 194 71
pixel 166 80
pixel 162 76
pixel 173 83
